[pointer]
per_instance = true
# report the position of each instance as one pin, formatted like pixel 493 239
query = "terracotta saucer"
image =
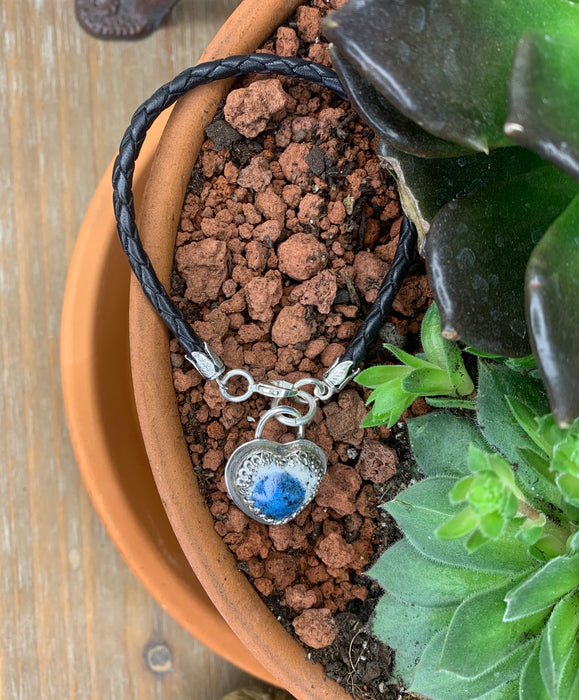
pixel 104 428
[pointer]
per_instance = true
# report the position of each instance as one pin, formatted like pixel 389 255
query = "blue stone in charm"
pixel 272 482
pixel 278 495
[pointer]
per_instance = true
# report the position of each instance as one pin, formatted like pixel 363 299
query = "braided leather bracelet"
pixel 268 481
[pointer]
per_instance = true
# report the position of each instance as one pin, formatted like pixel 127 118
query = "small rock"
pixel 343 419
pixel 316 628
pixel 291 326
pixel 377 462
pixel 369 272
pixel 300 598
pixel 339 489
pixel 334 551
pixel 281 568
pixel 293 163
pixel 311 208
pixel 270 205
pixel 203 265
pixel 268 232
pixel 286 42
pixel 320 291
pixel 262 294
pixel 256 176
pixel 249 109
pixel 302 256
pixel 222 134
pixel 316 161
pixel 308 21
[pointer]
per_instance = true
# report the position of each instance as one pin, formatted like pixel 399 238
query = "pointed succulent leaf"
pixel 433 344
pixel 492 525
pixel 477 252
pixel 552 301
pixel 425 382
pixel 408 629
pixel 425 506
pixel 440 443
pixel 389 123
pixel 569 686
pixel 502 430
pixel 498 684
pixel 566 451
pixel 374 377
pixel 478 639
pixel 476 540
pixel 527 419
pixel 459 491
pixel 559 638
pixel 424 56
pixel 410 360
pixel 427 184
pixel 542 589
pixel 441 585
pixel 531 685
pixel 458 526
pixel 531 530
pixel 544 100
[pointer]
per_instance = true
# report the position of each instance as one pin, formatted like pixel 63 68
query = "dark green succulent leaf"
pixel 425 506
pixel 544 99
pixel 558 640
pixel 375 377
pixel 519 364
pixel 543 588
pixel 477 252
pixel 552 298
pixel 440 443
pixel 441 585
pixel 501 683
pixel 408 629
pixel 445 64
pixel 527 419
pixel 427 184
pixel 390 124
pixel 478 639
pixel 531 685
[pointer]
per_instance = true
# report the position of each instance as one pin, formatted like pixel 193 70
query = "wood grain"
pixel 74 622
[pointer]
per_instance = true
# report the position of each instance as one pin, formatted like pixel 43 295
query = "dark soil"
pixel 285 235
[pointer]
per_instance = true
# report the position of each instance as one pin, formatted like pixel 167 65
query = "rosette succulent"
pixel 477 107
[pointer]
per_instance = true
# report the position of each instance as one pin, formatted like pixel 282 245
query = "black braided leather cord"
pixel 124 208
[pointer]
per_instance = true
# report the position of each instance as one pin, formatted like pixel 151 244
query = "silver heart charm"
pixel 273 482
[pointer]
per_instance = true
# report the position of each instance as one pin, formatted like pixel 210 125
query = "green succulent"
pixel 482 593
pixel 438 372
pixel 477 107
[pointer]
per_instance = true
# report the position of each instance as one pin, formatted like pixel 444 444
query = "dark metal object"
pixel 121 19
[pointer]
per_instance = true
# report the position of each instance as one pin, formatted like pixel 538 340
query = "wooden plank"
pixel 74 621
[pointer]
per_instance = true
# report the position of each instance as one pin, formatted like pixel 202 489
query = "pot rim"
pixel 104 428
pixel 209 557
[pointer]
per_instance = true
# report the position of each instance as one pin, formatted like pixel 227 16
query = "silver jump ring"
pixel 277 412
pixel 222 381
pixel 321 390
pixel 302 397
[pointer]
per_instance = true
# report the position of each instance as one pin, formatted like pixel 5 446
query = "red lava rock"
pixel 412 296
pixel 316 628
pixel 287 536
pixel 331 353
pixel 271 205
pixel 286 42
pixel 343 420
pixel 203 265
pixel 308 21
pixel 293 163
pixel 320 291
pixel 369 272
pixel 264 586
pixel 263 293
pixel 302 256
pixel 336 212
pixel 315 347
pixel 310 209
pixel 281 569
pixel 291 326
pixel 334 551
pixel 300 598
pixel 268 232
pixel 249 109
pixel 377 462
pixel 366 501
pixel 292 195
pixel 420 407
pixel 256 255
pixel 256 176
pixel 213 459
pixel 339 489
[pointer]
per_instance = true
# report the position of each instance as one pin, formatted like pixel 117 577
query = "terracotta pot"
pixel 104 427
pixel 233 595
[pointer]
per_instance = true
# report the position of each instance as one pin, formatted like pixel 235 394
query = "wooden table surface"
pixel 74 621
